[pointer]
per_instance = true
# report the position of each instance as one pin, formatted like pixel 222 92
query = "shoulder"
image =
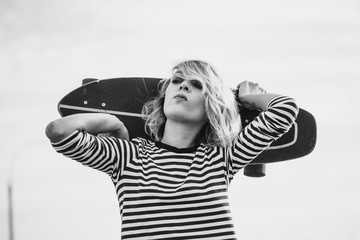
pixel 211 151
pixel 142 143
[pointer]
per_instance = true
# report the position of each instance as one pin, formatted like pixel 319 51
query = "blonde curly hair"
pixel 223 119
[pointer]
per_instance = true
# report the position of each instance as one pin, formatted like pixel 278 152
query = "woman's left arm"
pixel 278 113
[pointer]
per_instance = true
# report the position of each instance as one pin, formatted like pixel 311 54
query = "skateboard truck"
pixel 255 170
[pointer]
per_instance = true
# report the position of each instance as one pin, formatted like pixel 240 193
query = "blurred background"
pixel 305 49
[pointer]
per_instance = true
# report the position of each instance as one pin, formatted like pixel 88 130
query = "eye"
pixel 176 80
pixel 197 84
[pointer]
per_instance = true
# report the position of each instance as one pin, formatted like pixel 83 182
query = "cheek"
pixel 167 95
pixel 165 105
pixel 202 109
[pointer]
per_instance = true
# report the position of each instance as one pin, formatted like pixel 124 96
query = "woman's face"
pixel 184 101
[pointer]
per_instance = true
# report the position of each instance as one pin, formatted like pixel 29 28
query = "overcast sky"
pixel 305 49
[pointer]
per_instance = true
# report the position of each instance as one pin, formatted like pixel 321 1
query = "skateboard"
pixel 125 97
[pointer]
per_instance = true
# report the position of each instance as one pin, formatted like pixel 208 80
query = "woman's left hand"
pixel 248 87
pixel 245 89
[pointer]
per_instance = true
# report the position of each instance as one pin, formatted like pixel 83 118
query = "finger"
pixel 243 87
pixel 243 84
pixel 257 89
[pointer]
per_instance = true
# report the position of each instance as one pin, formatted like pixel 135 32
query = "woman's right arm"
pixel 93 123
pixel 75 137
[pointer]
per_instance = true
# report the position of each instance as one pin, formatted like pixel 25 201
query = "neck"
pixel 180 135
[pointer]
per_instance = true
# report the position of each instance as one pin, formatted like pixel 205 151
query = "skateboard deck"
pixel 125 97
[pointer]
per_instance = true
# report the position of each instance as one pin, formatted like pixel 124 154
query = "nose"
pixel 184 86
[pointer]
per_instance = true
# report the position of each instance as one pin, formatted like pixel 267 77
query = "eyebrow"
pixel 177 76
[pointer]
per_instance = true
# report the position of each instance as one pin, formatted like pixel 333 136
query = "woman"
pixel 175 187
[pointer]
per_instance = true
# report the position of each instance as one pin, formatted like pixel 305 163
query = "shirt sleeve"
pixel 268 126
pixel 106 154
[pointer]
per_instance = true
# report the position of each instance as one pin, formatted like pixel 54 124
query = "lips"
pixel 181 96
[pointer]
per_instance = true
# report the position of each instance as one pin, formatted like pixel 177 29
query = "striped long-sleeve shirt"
pixel 170 193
